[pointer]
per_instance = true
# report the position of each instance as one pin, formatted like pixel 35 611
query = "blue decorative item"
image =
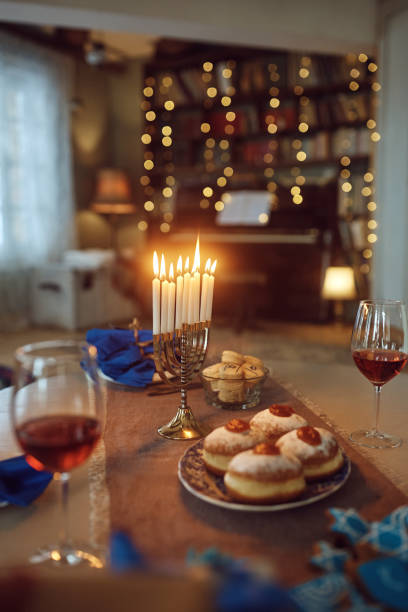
pixel 123 554
pixel 322 594
pixel 20 484
pixel 386 580
pixel 390 536
pixel 349 524
pixel 329 558
pixel 242 592
pixel 122 357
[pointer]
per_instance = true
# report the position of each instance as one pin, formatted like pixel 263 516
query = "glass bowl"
pixel 233 393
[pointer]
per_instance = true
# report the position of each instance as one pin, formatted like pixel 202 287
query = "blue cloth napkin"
pixel 20 484
pixel 120 357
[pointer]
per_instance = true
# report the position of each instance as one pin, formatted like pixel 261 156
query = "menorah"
pixel 179 356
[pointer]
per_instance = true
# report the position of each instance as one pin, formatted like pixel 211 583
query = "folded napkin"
pixel 20 484
pixel 122 358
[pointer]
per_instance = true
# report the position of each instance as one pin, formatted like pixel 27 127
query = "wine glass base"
pixel 55 556
pixel 375 439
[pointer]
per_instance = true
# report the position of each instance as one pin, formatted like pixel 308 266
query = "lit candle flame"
pixel 196 264
pixel 171 272
pixel 213 267
pixel 179 265
pixel 155 264
pixel 187 265
pixel 162 268
pixel 208 265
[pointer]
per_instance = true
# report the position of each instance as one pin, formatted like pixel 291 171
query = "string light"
pixel 304 73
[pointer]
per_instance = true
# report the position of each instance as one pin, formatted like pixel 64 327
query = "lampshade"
pixel 113 193
pixel 339 283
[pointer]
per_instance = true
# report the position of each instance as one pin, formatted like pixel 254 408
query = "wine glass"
pixel 380 351
pixel 57 412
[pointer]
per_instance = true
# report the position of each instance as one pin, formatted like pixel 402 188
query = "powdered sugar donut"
pixel 224 442
pixel 316 448
pixel 276 420
pixel 264 475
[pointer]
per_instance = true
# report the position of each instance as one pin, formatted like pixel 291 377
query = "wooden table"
pixel 131 481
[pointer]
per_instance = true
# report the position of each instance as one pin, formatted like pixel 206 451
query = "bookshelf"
pixel 300 126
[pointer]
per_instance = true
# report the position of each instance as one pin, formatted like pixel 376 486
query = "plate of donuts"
pixel 238 467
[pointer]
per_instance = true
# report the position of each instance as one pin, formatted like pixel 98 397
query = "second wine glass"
pixel 379 346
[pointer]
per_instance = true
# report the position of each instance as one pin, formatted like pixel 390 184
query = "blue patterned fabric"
pixel 120 358
pixel 20 484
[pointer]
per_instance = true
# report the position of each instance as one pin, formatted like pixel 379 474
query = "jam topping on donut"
pixel 281 410
pixel 237 425
pixel 265 448
pixel 309 435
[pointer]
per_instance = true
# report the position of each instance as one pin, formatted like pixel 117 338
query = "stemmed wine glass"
pixel 57 412
pixel 379 346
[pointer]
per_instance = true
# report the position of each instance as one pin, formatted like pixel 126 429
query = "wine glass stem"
pixel 377 396
pixel 64 537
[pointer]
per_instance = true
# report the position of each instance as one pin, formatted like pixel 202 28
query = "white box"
pixel 71 298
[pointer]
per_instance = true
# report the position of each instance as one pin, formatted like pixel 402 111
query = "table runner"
pixel 164 520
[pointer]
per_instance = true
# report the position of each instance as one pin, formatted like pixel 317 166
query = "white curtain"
pixel 36 202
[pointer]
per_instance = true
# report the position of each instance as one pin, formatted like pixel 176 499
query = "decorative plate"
pixel 210 488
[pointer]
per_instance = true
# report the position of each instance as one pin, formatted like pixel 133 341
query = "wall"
pixel 316 25
pixel 106 133
pixel 391 250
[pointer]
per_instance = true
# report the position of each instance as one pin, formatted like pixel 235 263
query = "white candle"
pixel 172 296
pixel 179 294
pixel 196 291
pixel 186 291
pixel 210 291
pixel 204 291
pixel 191 293
pixel 164 296
pixel 156 295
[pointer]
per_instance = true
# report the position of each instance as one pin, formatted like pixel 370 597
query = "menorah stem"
pixel 184 425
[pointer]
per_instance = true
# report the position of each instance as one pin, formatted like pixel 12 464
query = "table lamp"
pixel 338 286
pixel 113 196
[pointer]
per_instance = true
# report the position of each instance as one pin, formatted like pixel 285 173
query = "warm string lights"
pixel 359 66
pixel 147 138
pixel 186 299
pixel 298 143
pixel 166 140
pixel 272 126
pixel 211 145
pixel 226 72
pixel 368 190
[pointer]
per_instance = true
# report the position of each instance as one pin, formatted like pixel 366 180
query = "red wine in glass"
pixel 379 346
pixel 59 443
pixel 379 366
pixel 57 411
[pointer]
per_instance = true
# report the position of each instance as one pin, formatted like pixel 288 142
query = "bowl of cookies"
pixel 235 382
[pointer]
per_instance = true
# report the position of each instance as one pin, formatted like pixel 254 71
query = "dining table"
pixel 131 484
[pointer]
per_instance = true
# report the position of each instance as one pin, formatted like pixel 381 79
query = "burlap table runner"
pixel 164 520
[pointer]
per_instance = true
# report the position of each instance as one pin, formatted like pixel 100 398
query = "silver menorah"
pixel 179 356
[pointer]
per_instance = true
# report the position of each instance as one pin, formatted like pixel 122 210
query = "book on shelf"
pixel 309 114
pixel 188 124
pixel 344 142
pixel 175 92
pixel 194 84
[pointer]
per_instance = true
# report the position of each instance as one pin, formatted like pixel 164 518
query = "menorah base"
pixel 183 427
